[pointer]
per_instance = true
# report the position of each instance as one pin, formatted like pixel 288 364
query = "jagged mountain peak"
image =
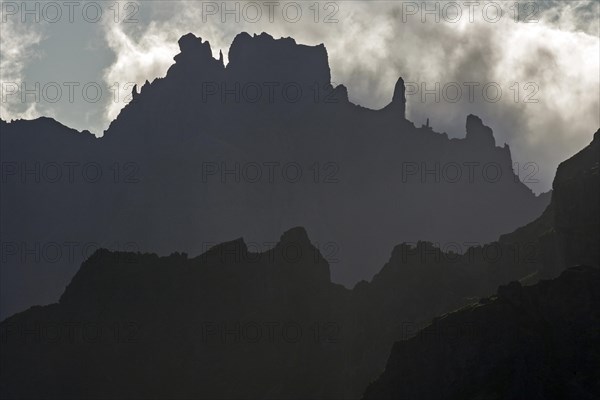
pixel 479 133
pixel 195 53
pixel 398 104
pixel 295 235
pixel 282 60
pixel 399 91
pixel 108 271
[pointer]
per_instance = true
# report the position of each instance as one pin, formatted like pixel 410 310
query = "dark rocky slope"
pixel 537 342
pixel 568 233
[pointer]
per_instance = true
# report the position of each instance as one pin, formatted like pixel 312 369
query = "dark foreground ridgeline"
pixel 233 323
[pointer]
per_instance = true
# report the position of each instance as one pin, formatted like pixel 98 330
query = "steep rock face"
pixel 528 342
pixel 478 133
pixel 568 233
pixel 398 104
pixel 212 152
pixel 538 342
pixel 576 194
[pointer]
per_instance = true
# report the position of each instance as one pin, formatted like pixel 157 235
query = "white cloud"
pixel 19 47
pixel 137 60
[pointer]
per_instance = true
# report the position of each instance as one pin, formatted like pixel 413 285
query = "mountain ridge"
pixel 179 170
pixel 534 341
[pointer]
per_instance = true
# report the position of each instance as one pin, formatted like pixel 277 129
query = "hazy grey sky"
pixel 544 57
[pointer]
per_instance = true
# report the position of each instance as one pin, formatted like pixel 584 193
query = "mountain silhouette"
pixel 267 142
pixel 235 323
pixel 527 342
pixel 535 342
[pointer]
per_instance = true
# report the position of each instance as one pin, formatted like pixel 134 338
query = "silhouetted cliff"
pixel 212 152
pixel 534 342
pixel 567 233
